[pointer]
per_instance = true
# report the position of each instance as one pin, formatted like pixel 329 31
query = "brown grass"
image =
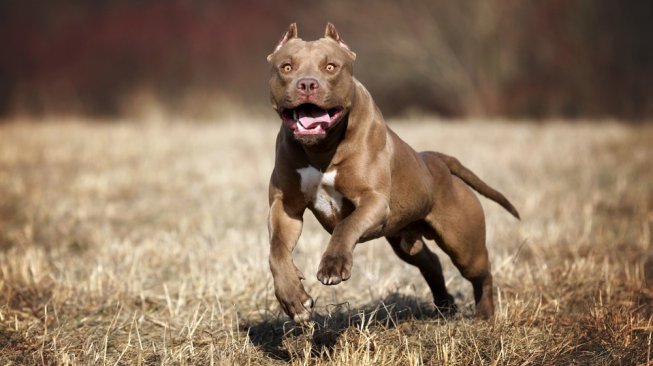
pixel 147 244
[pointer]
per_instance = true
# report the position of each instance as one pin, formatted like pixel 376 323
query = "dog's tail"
pixel 475 182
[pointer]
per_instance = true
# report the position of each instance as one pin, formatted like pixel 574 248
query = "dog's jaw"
pixel 310 122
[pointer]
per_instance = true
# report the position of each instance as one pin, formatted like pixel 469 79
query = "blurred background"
pixel 201 59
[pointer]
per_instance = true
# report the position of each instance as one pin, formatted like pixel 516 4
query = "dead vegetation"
pixel 146 244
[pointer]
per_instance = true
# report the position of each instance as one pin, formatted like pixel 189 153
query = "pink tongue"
pixel 311 117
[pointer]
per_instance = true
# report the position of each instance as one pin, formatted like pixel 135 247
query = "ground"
pixel 146 243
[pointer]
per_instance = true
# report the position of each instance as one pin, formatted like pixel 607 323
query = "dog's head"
pixel 311 83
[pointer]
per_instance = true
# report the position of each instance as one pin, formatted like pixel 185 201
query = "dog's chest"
pixel 319 190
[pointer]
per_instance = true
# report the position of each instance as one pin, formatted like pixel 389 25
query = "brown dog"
pixel 336 156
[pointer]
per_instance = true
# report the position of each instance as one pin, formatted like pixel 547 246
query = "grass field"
pixel 143 244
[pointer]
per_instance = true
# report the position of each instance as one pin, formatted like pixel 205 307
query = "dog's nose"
pixel 307 85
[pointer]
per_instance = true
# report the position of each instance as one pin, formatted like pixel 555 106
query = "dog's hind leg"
pixel 414 251
pixel 461 234
pixel 457 224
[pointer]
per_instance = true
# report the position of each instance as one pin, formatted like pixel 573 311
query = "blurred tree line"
pixel 513 58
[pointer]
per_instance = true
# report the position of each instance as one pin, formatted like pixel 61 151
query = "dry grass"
pixel 147 244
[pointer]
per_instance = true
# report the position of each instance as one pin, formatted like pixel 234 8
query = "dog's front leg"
pixel 369 217
pixel 284 228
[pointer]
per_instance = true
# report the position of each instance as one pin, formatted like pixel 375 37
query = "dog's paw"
pixel 484 311
pixel 445 305
pixel 335 268
pixel 296 303
pixel 304 315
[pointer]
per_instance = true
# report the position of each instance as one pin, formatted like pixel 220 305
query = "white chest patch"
pixel 319 189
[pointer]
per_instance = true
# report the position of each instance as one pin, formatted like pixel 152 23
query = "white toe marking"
pixel 304 316
pixel 319 189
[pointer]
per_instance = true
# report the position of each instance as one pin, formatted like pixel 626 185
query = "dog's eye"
pixel 330 67
pixel 286 68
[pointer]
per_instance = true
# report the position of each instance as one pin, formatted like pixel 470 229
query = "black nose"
pixel 307 85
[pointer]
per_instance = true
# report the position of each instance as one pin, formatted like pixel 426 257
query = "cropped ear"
pixel 331 32
pixel 290 34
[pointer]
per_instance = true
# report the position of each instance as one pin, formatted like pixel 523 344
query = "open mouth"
pixel 310 119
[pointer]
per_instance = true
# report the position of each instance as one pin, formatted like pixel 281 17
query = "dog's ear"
pixel 331 32
pixel 290 34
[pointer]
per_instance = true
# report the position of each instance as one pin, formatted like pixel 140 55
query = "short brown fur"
pixel 387 189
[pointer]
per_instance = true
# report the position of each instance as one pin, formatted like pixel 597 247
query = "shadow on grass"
pixel 283 340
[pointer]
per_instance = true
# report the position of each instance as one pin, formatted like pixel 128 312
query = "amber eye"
pixel 330 67
pixel 286 68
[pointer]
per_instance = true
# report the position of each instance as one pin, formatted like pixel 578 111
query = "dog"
pixel 336 157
